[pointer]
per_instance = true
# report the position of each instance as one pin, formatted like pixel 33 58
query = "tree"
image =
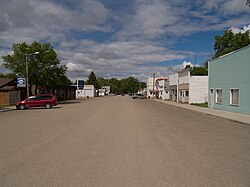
pixel 8 75
pixel 115 85
pixel 92 79
pixel 248 3
pixel 127 85
pixel 199 71
pixel 230 42
pixel 44 68
pixel 206 64
pixel 102 82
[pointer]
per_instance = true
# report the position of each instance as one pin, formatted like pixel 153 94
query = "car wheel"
pixel 48 105
pixel 21 107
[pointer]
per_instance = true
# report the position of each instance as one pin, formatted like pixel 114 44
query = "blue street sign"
pixel 21 82
pixel 80 84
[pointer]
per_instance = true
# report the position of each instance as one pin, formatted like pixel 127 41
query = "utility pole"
pixel 195 60
pixel 27 76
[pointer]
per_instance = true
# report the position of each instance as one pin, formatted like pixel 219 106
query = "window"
pixel 45 97
pixel 186 93
pixel 234 96
pixel 219 96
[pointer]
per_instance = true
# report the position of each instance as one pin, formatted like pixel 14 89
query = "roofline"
pixel 230 53
pixel 8 80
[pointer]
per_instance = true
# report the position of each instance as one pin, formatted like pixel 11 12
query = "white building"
pixel 190 89
pixel 198 89
pixel 162 88
pixel 105 90
pixel 158 88
pixel 150 89
pixel 87 91
pixel 173 87
pixel 184 80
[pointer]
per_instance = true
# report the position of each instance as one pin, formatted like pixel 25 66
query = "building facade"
pixel 162 88
pixel 158 88
pixel 185 88
pixel 173 87
pixel 229 82
pixel 184 80
pixel 87 91
pixel 9 93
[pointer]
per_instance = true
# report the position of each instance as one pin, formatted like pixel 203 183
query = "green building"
pixel 229 82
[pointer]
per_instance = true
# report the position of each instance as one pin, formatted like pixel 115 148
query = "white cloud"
pixel 143 37
pixel 74 67
pixel 185 63
pixel 240 30
pixel 234 7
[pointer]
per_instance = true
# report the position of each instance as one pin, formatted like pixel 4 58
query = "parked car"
pixel 44 100
pixel 138 96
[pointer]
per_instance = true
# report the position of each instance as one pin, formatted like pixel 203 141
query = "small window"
pixel 219 96
pixel 186 93
pixel 234 97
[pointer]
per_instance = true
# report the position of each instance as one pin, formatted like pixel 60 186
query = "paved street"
pixel 117 141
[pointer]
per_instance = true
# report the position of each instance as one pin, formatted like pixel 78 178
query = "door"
pixel 211 98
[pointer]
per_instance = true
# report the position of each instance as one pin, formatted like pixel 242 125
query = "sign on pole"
pixel 80 84
pixel 21 82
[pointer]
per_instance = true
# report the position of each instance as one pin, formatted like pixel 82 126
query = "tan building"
pixel 9 94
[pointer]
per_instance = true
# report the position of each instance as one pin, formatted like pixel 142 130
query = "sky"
pixel 121 38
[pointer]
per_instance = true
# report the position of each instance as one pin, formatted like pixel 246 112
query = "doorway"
pixel 211 104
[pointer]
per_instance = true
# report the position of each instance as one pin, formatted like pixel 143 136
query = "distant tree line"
pixel 127 85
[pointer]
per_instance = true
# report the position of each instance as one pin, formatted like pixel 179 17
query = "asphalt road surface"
pixel 117 141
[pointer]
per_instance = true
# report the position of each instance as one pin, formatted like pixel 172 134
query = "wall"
pixel 231 71
pixel 163 86
pixel 4 98
pixel 184 76
pixel 173 79
pixel 173 87
pixel 198 89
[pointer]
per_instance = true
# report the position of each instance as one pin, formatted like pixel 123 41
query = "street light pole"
pixel 27 71
pixel 27 79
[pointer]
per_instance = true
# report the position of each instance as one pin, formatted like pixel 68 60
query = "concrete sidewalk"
pixel 237 117
pixel 6 109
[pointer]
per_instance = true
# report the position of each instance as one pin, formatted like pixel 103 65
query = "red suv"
pixel 44 100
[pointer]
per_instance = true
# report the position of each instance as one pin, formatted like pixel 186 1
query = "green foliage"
pixel 199 71
pixel 92 80
pixel 206 64
pixel 8 75
pixel 230 42
pixel 102 82
pixel 128 85
pixel 114 85
pixel 200 104
pixel 44 68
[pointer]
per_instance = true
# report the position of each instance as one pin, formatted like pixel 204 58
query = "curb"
pixel 6 109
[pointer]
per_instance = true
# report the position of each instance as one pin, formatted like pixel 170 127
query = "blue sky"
pixel 121 38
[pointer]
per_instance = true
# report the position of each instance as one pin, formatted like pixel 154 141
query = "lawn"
pixel 200 104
